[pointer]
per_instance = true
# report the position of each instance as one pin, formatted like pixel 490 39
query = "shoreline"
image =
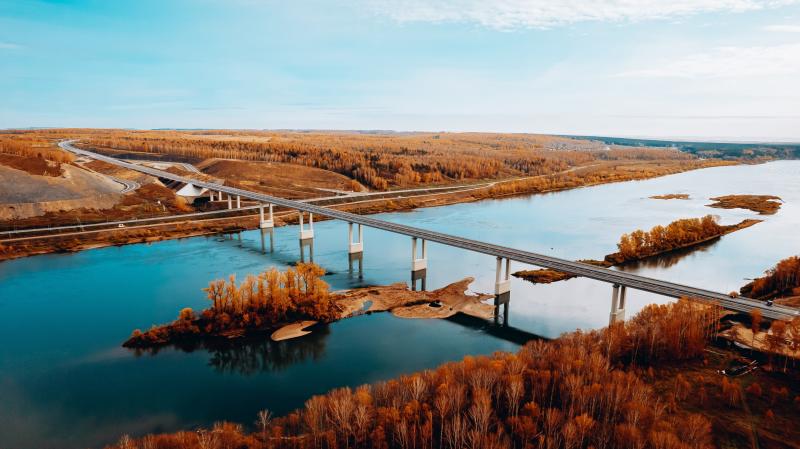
pixel 467 194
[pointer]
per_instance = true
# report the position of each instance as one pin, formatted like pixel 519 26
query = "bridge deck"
pixel 657 286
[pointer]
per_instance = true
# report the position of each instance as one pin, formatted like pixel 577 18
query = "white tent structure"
pixel 191 191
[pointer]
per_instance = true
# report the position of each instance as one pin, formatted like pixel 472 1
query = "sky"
pixel 679 69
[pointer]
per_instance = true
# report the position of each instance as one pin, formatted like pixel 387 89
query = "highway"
pixel 665 288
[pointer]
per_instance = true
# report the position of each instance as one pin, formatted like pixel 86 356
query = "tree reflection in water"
pixel 253 354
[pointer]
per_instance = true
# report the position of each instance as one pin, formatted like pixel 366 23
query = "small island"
pixel 285 305
pixel 671 196
pixel 763 204
pixel 640 245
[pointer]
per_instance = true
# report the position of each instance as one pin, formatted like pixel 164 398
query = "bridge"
pixel 620 280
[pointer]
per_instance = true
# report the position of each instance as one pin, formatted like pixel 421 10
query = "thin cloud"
pixel 727 62
pixel 9 46
pixel 512 14
pixel 783 28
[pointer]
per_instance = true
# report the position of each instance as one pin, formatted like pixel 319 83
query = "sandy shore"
pixel 293 330
pixel 402 302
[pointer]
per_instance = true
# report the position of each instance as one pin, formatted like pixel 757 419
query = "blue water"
pixel 66 382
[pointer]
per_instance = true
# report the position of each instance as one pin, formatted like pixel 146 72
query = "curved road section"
pixel 665 288
pixel 127 185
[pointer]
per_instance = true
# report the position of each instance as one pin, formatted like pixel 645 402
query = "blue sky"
pixel 711 69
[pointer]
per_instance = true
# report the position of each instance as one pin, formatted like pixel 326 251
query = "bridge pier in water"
pixel 419 267
pixel 502 290
pixel 267 227
pixel 353 259
pixel 306 234
pixel 617 304
pixel 308 243
pixel 264 232
pixel 358 246
pixel 265 224
pixel 306 237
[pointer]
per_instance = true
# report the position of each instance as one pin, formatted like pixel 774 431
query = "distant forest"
pixel 710 149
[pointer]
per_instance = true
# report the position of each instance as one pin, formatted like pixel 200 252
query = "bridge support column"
pixel 308 243
pixel 306 234
pixel 265 224
pixel 264 232
pixel 502 290
pixel 238 201
pixel 230 202
pixel 358 246
pixel 219 196
pixel 617 304
pixel 212 196
pixel 419 267
pixel 356 258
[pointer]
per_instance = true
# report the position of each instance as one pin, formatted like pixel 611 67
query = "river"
pixel 65 381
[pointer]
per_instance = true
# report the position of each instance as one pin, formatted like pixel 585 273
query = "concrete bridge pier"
pixel 230 202
pixel 238 201
pixel 307 234
pixel 264 232
pixel 212 197
pixel 308 243
pixel 502 290
pixel 358 246
pixel 617 304
pixel 419 267
pixel 219 196
pixel 356 258
pixel 266 224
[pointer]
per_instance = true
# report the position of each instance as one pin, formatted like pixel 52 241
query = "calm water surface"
pixel 66 382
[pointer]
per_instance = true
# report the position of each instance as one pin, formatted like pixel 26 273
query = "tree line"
pixel 380 160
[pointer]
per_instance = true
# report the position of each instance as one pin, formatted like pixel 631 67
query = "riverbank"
pixel 596 174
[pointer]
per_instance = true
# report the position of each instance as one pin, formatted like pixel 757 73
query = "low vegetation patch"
pixel 763 204
pixel 671 196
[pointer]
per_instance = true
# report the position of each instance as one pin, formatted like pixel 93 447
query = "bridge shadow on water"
pixel 503 332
